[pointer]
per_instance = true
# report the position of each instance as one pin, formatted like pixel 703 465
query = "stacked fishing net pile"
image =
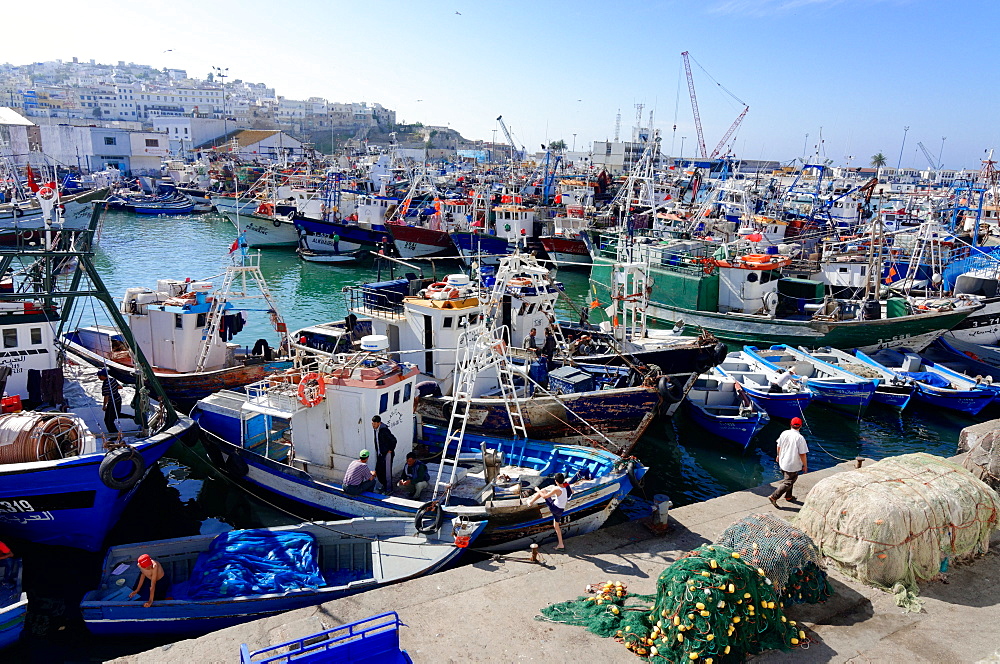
pixel 981 443
pixel 900 520
pixel 708 606
pixel 787 555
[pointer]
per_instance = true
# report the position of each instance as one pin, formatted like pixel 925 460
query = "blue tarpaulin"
pixel 927 377
pixel 255 562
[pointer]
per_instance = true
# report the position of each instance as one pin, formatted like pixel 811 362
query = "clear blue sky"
pixel 860 70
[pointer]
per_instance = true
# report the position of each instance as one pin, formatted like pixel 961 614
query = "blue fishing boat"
pixel 221 580
pixel 829 384
pixel 891 389
pixel 775 392
pixel 66 473
pixel 295 439
pixel 937 385
pixel 722 408
pixel 480 247
pixel 13 602
pixel 978 361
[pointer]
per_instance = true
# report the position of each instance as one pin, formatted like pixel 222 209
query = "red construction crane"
pixel 697 116
pixel 694 105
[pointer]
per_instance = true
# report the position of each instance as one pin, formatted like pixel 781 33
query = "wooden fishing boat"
pixel 936 384
pixel 779 395
pixel 890 389
pixel 221 580
pixel 13 602
pixel 721 407
pixel 829 384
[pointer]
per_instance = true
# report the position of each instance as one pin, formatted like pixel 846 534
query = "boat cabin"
pixel 27 337
pixel 170 325
pixel 749 284
pixel 320 421
pixel 511 220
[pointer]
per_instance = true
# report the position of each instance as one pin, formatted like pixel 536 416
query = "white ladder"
pixel 523 266
pixel 479 348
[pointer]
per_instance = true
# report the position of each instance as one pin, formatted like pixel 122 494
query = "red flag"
pixel 234 246
pixel 32 185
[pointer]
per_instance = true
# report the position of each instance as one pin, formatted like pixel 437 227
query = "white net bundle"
pixel 981 443
pixel 900 520
pixel 787 555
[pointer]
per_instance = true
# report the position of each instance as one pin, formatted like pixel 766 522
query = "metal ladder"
pixel 479 348
pixel 509 268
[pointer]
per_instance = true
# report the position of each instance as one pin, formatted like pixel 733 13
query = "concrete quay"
pixel 485 612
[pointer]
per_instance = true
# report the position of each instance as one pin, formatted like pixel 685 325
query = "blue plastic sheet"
pixel 927 377
pixel 255 562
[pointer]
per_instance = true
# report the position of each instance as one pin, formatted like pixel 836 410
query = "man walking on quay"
pixel 385 449
pixel 792 451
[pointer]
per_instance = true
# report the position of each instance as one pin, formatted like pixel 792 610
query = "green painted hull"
pixel 915 331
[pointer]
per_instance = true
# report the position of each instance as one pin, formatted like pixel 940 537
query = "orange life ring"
pixel 708 265
pixel 312 389
pixel 437 287
pixel 450 293
pixel 265 208
pixel 761 259
pixel 520 281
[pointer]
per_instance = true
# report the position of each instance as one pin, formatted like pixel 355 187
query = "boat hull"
pixel 12 621
pixel 739 430
pixel 65 502
pixel 182 388
pixel 263 232
pixel 566 250
pixel 970 402
pixel 780 405
pixel 509 530
pixel 420 242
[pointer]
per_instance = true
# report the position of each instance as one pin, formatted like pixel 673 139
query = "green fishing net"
pixel 709 606
pixel 787 555
pixel 901 520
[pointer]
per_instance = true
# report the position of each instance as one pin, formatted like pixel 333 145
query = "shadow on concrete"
pixel 816 651
pixel 623 568
pixel 964 584
pixel 679 538
pixel 846 607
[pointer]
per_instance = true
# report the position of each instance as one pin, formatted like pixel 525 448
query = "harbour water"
pixel 186 497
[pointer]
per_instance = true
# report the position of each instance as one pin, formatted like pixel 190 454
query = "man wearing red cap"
pixel 792 451
pixel 159 584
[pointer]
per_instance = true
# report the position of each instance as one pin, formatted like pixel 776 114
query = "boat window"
pixel 202 319
pixel 383 402
pixel 448 321
pixel 179 321
pixel 407 391
pixel 36 336
pixel 10 338
pixel 473 318
pixel 842 269
pixel 395 398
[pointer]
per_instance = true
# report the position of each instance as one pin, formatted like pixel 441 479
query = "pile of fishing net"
pixel 787 555
pixel 981 443
pixel 901 520
pixel 709 606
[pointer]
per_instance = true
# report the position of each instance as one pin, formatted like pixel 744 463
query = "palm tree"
pixel 878 160
pixel 557 145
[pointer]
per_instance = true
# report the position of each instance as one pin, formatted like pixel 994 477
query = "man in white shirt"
pixel 792 451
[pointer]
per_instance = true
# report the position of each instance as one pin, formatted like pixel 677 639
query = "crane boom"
pixel 927 156
pixel 732 128
pixel 694 105
pixel 514 152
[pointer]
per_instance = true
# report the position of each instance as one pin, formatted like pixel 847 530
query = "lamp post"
pixel 899 163
pixel 574 142
pixel 221 73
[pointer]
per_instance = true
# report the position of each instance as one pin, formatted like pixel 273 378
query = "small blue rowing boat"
pixel 891 389
pixel 779 396
pixel 722 408
pixel 937 385
pixel 829 384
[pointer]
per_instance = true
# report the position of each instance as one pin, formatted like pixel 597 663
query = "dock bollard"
pixel 858 461
pixel 534 553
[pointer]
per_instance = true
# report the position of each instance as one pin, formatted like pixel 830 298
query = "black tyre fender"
pixel 429 518
pixel 705 360
pixel 237 465
pixel 213 452
pixel 670 391
pixel 721 353
pixel 630 471
pixel 111 462
pixel 276 223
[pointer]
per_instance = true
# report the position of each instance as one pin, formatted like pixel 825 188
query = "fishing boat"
pixel 936 385
pixel 329 258
pixel 13 602
pixel 776 392
pixel 296 436
pixel 720 406
pixel 221 580
pixel 185 330
pixel 24 221
pixel 64 477
pixel 890 388
pixel 829 384
pixel 745 299
pixel 972 359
